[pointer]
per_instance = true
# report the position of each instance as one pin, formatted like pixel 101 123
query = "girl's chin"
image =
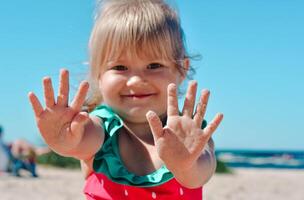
pixel 135 121
pixel 135 115
pixel 138 117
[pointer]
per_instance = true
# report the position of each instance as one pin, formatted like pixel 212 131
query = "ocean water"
pixel 262 159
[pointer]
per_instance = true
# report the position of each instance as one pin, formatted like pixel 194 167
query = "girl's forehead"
pixel 142 52
pixel 129 57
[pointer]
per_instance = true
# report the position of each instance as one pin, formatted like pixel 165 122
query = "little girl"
pixel 135 144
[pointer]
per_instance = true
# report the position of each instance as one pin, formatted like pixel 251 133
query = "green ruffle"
pixel 108 162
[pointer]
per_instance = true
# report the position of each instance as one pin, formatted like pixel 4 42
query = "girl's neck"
pixel 142 131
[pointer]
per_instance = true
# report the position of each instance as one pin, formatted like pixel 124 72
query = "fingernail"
pixel 46 79
pixel 172 85
pixel 150 114
pixel 193 82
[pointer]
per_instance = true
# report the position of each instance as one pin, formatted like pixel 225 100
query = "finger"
pixel 201 108
pixel 48 92
pixel 63 93
pixel 172 100
pixel 36 105
pixel 207 133
pixel 190 99
pixel 80 96
pixel 155 125
pixel 209 130
pixel 78 123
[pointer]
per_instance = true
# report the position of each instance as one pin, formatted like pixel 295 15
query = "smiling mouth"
pixel 138 96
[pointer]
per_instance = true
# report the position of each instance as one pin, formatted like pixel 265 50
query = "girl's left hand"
pixel 181 142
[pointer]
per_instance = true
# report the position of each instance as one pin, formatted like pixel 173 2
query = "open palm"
pixel 182 140
pixel 60 124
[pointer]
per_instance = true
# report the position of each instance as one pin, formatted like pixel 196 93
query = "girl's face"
pixel 132 86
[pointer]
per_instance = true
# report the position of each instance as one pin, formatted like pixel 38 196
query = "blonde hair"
pixel 139 27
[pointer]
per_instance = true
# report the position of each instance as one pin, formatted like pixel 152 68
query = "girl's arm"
pixel 64 127
pixel 91 141
pixel 86 167
pixel 201 171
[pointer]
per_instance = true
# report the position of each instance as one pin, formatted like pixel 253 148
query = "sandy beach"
pixel 257 184
pixel 243 184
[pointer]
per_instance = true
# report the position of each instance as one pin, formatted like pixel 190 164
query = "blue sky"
pixel 252 61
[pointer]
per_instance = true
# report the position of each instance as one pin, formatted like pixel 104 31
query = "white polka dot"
pixel 153 195
pixel 126 192
pixel 181 191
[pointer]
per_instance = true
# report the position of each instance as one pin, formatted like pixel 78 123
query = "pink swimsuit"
pixel 99 187
pixel 112 181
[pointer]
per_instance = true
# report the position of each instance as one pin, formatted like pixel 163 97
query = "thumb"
pixel 79 122
pixel 155 125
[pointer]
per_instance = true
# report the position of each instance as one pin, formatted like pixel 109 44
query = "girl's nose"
pixel 135 80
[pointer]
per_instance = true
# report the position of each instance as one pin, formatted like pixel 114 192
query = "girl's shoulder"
pixel 111 122
pixel 103 111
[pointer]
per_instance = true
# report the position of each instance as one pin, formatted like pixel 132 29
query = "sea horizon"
pixel 258 158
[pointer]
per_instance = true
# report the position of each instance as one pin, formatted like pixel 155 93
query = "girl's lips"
pixel 138 96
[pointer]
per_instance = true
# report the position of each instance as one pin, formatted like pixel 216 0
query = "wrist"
pixel 196 174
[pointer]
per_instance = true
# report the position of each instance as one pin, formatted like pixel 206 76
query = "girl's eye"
pixel 154 66
pixel 119 68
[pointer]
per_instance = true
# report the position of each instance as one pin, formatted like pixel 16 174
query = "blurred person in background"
pixel 24 157
pixel 4 153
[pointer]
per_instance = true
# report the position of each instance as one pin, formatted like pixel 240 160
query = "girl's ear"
pixel 186 66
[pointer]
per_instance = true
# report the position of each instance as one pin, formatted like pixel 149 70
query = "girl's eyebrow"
pixel 117 61
pixel 113 62
pixel 147 62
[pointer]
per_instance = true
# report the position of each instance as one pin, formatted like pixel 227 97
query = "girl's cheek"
pixel 166 76
pixel 110 78
pixel 111 84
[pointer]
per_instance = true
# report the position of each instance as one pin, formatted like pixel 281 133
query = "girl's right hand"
pixel 60 124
